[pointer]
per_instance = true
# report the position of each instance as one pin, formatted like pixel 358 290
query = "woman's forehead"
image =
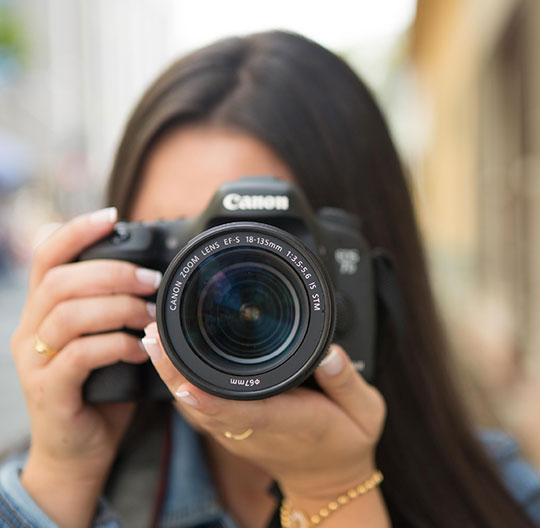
pixel 183 170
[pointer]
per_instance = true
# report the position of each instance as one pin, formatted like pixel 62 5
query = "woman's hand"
pixel 317 445
pixel 74 308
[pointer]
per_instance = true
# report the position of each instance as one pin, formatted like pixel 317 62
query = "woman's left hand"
pixel 317 445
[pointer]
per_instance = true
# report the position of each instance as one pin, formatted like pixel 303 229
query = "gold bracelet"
pixel 295 519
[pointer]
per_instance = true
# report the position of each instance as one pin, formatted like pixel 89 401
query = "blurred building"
pixel 478 65
pixel 85 64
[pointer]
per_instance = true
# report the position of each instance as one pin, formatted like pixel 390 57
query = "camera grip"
pixel 134 243
pixel 124 382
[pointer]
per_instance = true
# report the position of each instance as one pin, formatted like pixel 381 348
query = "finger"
pixel 196 399
pixel 338 378
pixel 91 315
pixel 293 417
pixel 69 240
pixel 218 414
pixel 170 375
pixel 72 365
pixel 85 279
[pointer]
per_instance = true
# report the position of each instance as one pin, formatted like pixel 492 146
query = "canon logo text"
pixel 257 202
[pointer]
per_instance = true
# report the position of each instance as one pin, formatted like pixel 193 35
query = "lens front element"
pixel 244 306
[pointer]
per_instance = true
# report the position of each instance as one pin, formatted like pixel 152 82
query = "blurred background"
pixel 459 81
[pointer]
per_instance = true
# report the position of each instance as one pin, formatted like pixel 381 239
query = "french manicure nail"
pixel 151 309
pixel 148 277
pixel 187 398
pixel 141 346
pixel 152 348
pixel 151 330
pixel 108 215
pixel 332 363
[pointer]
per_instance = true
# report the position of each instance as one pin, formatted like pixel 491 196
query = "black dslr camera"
pixel 254 291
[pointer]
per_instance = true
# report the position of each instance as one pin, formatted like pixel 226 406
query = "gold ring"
pixel 242 436
pixel 42 349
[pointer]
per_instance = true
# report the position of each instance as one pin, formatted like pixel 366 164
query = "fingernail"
pixel 150 330
pixel 148 277
pixel 141 346
pixel 151 310
pixel 332 363
pixel 152 348
pixel 186 397
pixel 108 215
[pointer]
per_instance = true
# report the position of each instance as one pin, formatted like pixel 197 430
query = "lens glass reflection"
pixel 246 306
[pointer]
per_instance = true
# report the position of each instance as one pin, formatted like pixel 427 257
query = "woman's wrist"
pixel 368 510
pixel 325 486
pixel 51 482
pixel 340 508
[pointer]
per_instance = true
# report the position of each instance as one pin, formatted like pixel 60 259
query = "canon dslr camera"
pixel 254 291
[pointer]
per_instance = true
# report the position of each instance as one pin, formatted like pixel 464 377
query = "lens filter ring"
pixel 245 311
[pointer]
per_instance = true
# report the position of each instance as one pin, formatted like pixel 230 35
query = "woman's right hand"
pixel 75 308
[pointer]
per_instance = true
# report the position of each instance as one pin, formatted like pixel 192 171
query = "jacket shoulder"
pixel 520 478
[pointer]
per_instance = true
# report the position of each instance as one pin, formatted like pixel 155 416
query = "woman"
pixel 273 103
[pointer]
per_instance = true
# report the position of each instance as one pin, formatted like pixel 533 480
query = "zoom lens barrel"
pixel 245 311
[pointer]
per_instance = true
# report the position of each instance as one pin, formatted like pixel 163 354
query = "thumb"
pixel 340 381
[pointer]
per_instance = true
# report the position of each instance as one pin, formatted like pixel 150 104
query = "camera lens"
pixel 245 311
pixel 244 306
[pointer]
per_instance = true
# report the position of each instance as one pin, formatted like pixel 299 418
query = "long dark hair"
pixel 311 108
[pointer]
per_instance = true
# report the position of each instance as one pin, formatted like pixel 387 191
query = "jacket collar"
pixel 191 499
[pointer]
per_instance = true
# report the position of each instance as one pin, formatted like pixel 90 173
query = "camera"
pixel 254 290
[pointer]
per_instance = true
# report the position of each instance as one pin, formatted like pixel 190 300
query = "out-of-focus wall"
pixel 450 46
pixel 70 72
pixel 85 66
pixel 478 64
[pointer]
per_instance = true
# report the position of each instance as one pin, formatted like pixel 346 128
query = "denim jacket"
pixel 191 501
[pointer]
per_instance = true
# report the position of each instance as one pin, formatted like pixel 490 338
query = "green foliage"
pixel 11 33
